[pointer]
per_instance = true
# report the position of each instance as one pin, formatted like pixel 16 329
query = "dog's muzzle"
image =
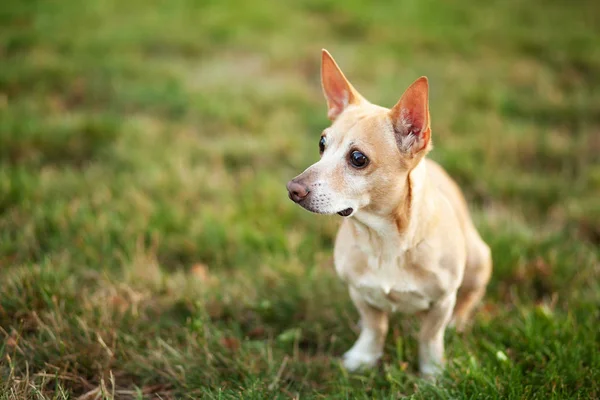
pixel 299 194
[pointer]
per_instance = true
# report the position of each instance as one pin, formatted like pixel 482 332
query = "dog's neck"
pixel 400 227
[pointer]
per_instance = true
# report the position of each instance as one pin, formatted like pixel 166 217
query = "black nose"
pixel 297 191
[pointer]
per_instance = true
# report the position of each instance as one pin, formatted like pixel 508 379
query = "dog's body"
pixel 409 244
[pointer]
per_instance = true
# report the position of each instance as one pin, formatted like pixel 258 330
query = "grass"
pixel 147 245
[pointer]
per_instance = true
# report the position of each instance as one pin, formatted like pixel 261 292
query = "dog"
pixel 407 243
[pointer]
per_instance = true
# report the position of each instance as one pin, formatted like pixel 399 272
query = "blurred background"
pixel 147 244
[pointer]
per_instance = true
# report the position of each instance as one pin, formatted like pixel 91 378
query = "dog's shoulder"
pixel 447 187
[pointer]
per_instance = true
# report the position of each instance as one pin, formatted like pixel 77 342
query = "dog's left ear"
pixel 337 89
pixel 410 118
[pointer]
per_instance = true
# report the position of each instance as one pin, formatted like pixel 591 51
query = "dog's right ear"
pixel 338 91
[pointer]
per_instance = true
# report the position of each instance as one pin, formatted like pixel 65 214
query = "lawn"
pixel 147 245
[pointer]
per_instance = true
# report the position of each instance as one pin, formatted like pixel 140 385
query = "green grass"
pixel 147 245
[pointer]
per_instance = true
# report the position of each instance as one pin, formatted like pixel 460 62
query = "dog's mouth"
pixel 346 212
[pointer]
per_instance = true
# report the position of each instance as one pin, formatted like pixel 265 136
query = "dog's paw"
pixel 431 372
pixel 356 360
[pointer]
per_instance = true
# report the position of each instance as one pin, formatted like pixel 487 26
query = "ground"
pixel 147 244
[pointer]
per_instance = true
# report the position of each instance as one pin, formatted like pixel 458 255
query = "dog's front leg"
pixel 431 337
pixel 374 326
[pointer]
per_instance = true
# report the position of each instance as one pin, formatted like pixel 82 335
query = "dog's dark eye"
pixel 358 159
pixel 322 145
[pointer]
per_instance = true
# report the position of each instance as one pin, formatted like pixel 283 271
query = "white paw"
pixel 431 371
pixel 354 360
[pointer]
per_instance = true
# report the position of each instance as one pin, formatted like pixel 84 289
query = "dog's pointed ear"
pixel 338 91
pixel 410 118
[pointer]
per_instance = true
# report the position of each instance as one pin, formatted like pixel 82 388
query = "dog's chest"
pixel 392 295
pixel 389 272
pixel 391 285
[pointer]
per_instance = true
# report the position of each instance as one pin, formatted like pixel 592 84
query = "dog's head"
pixel 367 152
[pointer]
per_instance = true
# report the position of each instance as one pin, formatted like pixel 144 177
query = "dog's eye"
pixel 358 159
pixel 322 145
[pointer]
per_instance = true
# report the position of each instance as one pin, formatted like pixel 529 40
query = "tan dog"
pixel 408 243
